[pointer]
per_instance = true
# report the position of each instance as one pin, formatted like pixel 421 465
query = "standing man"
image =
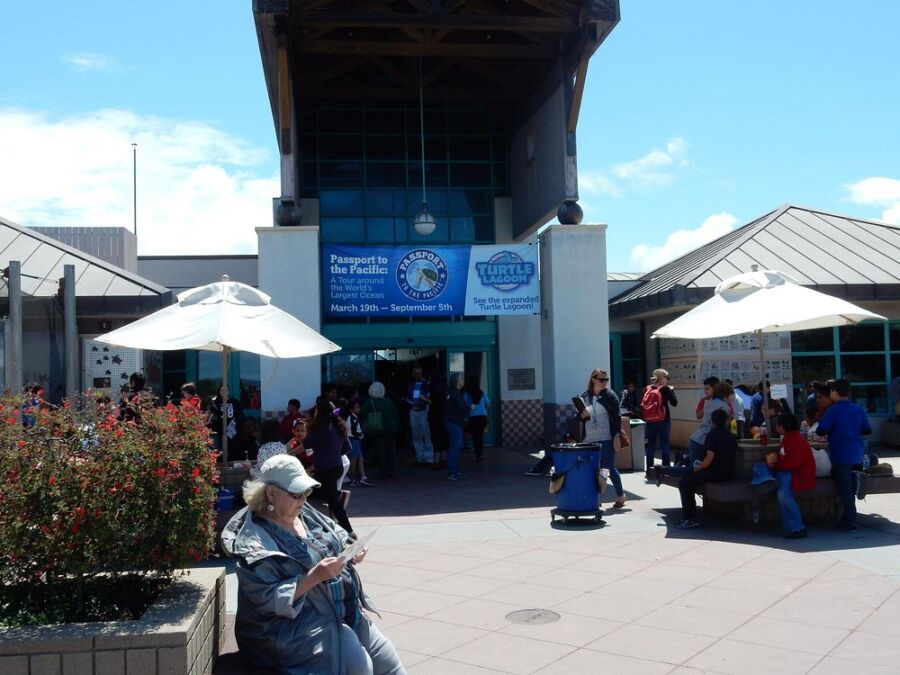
pixel 418 395
pixel 844 423
pixel 655 402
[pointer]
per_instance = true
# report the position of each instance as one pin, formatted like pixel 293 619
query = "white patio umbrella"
pixel 765 301
pixel 225 316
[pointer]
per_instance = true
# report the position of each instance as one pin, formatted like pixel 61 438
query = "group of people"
pixel 828 413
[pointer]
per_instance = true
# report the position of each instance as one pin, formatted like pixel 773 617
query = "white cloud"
pixel 85 61
pixel 200 190
pixel 645 257
pixel 878 191
pixel 653 170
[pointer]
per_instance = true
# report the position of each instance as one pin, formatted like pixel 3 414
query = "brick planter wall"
pixel 179 634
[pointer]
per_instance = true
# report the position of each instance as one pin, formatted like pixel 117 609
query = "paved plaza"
pixel 451 561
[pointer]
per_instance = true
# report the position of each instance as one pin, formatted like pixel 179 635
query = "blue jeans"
pixel 697 452
pixel 658 431
pixel 367 650
pixel 608 461
pixel 791 519
pixel 846 481
pixel 455 434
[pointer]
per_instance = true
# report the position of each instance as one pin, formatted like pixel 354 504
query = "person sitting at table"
pixel 795 468
pixel 300 606
pixel 720 451
pixel 721 394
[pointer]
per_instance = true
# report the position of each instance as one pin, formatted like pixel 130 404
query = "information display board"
pixel 430 280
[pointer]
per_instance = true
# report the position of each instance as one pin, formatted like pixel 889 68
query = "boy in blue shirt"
pixel 845 423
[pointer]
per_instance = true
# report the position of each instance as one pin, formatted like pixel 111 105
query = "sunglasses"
pixel 600 379
pixel 298 495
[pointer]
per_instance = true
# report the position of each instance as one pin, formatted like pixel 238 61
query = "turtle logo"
pixel 422 275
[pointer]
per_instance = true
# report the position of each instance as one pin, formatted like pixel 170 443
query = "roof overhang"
pixel 493 51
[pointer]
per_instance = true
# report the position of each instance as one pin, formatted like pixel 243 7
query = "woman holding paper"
pixel 300 602
pixel 602 424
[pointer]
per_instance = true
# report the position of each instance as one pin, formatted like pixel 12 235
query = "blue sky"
pixel 698 116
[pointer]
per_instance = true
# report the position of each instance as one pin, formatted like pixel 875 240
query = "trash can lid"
pixel 574 447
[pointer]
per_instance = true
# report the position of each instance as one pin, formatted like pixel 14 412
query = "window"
pixel 363 161
pixel 867 354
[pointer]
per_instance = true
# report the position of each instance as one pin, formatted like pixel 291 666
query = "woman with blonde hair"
pixel 301 606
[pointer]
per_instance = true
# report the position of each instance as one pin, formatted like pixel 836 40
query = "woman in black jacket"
pixel 455 422
pixel 602 424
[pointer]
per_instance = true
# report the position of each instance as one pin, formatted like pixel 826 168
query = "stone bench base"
pixel 737 499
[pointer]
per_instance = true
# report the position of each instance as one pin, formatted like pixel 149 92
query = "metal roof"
pixel 840 255
pixel 43 259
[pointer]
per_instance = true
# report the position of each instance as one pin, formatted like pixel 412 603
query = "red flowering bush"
pixel 85 496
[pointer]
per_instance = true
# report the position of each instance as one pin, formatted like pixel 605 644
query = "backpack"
pixel 652 407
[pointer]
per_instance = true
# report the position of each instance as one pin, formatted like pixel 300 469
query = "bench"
pixel 737 498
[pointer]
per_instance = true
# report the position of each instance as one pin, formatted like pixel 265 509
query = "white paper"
pixel 357 546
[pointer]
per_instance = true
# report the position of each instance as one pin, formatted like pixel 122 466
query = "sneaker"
pixel 688 524
pixel 799 534
pixel 365 481
pixel 452 476
pixel 658 475
pixel 860 484
pixel 354 483
pixel 619 503
pixel 532 472
pixel 461 476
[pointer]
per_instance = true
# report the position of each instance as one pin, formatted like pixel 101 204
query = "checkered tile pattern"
pixel 521 422
pixel 556 418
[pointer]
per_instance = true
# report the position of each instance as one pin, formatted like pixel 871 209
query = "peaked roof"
pixel 838 255
pixel 43 259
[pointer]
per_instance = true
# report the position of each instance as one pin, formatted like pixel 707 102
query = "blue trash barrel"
pixel 580 463
pixel 225 500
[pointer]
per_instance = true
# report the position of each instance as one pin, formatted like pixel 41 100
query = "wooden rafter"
pixel 577 94
pixel 442 21
pixel 426 49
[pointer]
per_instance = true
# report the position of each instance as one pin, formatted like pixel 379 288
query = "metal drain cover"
pixel 534 617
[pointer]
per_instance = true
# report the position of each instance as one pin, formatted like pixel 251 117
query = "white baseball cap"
pixel 287 472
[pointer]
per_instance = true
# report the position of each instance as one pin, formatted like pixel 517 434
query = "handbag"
pixel 374 422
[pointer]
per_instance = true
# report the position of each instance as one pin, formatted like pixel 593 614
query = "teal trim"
pixel 444 334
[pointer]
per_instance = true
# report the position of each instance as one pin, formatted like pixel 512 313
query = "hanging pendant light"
pixel 424 222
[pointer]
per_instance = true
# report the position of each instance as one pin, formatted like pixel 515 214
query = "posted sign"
pixel 430 280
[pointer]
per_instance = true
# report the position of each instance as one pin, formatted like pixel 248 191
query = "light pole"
pixel 134 188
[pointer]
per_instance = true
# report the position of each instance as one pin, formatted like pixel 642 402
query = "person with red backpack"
pixel 655 402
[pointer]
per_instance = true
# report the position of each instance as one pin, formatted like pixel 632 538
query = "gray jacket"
pixel 271 629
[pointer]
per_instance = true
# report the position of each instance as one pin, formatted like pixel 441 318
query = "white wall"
pixel 575 316
pixel 518 337
pixel 289 272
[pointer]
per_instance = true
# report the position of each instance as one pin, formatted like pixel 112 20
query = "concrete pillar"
pixel 13 349
pixel 289 272
pixel 70 323
pixel 574 318
pixel 519 357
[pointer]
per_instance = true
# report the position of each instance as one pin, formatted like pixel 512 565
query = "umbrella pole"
pixel 226 357
pixel 765 385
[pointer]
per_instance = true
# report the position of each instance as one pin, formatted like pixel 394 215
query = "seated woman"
pixel 795 468
pixel 717 465
pixel 300 606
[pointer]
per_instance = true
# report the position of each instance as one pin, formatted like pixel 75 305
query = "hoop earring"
pixel 270 508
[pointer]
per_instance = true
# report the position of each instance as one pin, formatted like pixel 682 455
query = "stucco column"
pixel 574 316
pixel 289 272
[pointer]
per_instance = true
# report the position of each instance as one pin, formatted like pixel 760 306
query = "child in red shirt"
pixel 795 468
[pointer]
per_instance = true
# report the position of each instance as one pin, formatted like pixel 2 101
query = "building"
pixel 851 258
pixel 468 107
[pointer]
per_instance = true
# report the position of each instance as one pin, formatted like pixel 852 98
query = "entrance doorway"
pixel 353 371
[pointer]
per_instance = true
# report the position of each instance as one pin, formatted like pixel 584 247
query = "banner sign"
pixel 430 280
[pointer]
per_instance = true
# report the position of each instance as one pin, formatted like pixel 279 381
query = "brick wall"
pixel 179 634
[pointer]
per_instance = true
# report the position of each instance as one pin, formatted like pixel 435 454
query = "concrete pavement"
pixel 452 560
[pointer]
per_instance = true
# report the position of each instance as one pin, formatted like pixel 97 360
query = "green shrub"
pixel 86 497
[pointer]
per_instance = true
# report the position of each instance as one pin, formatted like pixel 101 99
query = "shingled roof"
pixel 839 255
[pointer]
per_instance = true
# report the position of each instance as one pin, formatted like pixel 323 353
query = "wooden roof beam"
pixel 426 49
pixel 467 22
